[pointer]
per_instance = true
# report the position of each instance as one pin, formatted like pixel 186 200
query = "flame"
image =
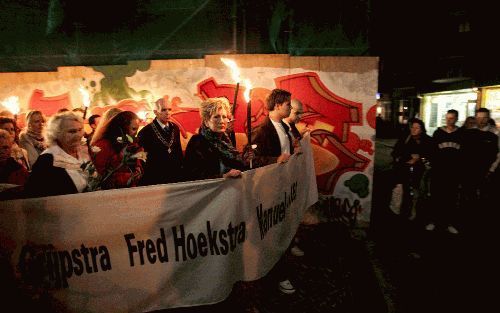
pixel 142 115
pixel 12 104
pixel 235 70
pixel 248 88
pixel 85 96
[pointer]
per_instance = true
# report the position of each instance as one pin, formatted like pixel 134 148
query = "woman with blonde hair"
pixel 58 169
pixel 31 139
pixel 210 153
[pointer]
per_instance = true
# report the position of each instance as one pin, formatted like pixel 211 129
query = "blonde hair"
pixel 211 105
pixel 31 114
pixel 109 114
pixel 53 129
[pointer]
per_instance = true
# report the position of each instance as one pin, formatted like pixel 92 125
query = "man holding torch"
pixel 275 145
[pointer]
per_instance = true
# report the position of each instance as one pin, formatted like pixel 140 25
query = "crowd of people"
pixel 450 173
pixel 57 157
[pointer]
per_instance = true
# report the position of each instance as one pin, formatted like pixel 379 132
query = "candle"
pixel 246 94
pixel 249 122
pixel 85 99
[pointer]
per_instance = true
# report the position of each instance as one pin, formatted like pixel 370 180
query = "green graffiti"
pixel 114 85
pixel 358 184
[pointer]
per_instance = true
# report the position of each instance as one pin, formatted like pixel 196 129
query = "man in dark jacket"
pixel 161 140
pixel 446 175
pixel 274 145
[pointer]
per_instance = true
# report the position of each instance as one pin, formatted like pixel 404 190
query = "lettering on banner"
pixel 185 245
pixel 44 266
pixel 276 213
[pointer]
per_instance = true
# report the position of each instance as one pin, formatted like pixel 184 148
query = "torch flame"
pixel 12 104
pixel 248 88
pixel 235 70
pixel 85 96
pixel 142 115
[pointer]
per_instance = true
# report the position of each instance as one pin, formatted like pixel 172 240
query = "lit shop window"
pixel 435 108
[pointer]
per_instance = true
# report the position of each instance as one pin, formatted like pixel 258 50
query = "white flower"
pixel 83 141
pixel 140 155
pixel 254 146
pixel 119 139
pixel 95 149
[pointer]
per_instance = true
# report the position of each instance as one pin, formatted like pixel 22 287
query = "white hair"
pixel 53 130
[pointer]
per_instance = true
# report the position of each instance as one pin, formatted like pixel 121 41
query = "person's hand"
pixel 248 152
pixel 298 150
pixel 232 174
pixel 283 158
pixel 414 159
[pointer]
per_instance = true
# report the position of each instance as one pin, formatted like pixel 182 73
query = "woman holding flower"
pixel 57 170
pixel 116 155
pixel 210 153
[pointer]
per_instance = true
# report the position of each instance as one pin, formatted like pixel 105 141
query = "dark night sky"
pixel 415 39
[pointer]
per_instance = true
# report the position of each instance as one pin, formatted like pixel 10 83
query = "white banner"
pixel 150 248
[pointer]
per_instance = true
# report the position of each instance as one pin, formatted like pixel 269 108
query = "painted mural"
pixel 338 94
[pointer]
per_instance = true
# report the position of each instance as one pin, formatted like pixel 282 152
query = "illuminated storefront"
pixel 435 105
pixel 491 101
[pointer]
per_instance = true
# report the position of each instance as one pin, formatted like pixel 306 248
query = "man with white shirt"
pixel 274 142
pixel 275 145
pixel 161 140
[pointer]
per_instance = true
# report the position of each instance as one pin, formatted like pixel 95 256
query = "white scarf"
pixel 70 164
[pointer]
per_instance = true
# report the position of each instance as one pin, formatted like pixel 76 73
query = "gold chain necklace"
pixel 162 139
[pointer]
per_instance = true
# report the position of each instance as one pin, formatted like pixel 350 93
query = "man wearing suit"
pixel 275 145
pixel 291 121
pixel 161 140
pixel 272 136
pixel 294 117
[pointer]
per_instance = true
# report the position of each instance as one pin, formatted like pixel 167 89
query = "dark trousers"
pixel 445 190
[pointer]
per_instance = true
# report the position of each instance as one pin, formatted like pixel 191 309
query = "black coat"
pixel 268 143
pixel 203 160
pixel 161 166
pixel 295 131
pixel 47 180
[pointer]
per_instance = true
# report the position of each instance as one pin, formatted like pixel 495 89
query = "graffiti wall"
pixel 338 94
